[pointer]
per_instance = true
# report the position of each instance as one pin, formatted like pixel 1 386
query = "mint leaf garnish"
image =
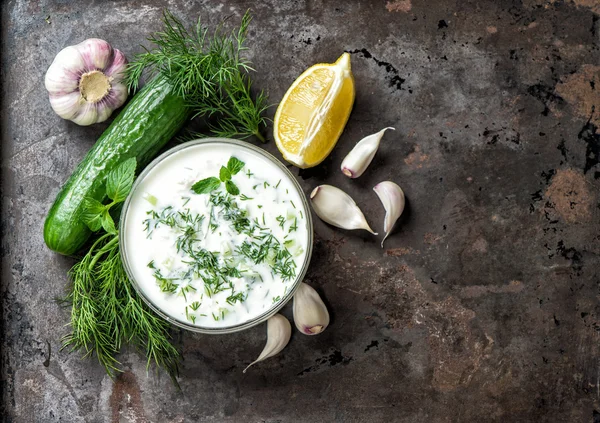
pixel 234 165
pixel 224 174
pixel 232 188
pixel 92 213
pixel 206 185
pixel 108 223
pixel 120 180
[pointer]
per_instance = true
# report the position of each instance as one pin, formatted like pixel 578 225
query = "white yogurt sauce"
pixel 215 259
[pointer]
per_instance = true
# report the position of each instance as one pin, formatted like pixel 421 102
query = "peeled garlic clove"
pixel 357 161
pixel 337 208
pixel 279 332
pixel 392 198
pixel 310 314
pixel 85 82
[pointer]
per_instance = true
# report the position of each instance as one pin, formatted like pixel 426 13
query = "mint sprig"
pixel 118 185
pixel 208 185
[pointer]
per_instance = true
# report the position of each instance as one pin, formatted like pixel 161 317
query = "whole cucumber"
pixel 144 126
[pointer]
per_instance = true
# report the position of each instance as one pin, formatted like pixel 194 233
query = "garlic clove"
pixel 62 76
pixel 393 200
pixel 67 105
pixel 357 161
pixel 117 68
pixel 279 332
pixel 337 208
pixel 310 313
pixel 117 96
pixel 103 111
pixel 96 53
pixel 86 115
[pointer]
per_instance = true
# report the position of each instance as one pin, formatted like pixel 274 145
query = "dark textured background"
pixel 484 306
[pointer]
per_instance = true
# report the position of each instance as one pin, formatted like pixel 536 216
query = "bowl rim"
pixel 276 306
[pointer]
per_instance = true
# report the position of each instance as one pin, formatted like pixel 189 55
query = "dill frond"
pixel 209 72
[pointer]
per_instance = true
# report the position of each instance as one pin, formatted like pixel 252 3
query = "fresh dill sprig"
pixel 107 312
pixel 209 72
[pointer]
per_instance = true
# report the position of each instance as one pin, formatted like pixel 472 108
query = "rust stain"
pixel 491 29
pixel 456 353
pixel 569 196
pixel 582 91
pixel 416 158
pixel 126 400
pixel 399 6
pixel 431 239
pixel 475 291
pixel 480 245
pixel 396 252
pixel 593 5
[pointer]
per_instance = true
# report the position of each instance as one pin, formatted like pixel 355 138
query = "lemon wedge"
pixel 314 112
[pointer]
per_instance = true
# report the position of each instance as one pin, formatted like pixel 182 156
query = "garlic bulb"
pixel 392 198
pixel 357 161
pixel 310 314
pixel 337 208
pixel 279 332
pixel 85 82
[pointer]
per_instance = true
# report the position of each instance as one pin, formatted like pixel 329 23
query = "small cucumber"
pixel 143 127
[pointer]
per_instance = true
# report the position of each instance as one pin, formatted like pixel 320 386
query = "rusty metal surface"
pixel 484 305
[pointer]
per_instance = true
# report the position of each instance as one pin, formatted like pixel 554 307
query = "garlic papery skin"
pixel 393 200
pixel 279 331
pixel 85 82
pixel 310 313
pixel 357 161
pixel 337 208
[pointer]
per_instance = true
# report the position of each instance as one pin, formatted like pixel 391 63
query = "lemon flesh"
pixel 314 112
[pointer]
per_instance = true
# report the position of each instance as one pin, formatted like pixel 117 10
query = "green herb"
pixel 224 174
pixel 277 298
pixel 277 186
pixel 293 205
pixel 118 185
pixel 208 72
pixel 244 197
pixel 281 220
pixel 195 305
pixel 249 174
pixel 267 247
pixel 120 180
pixel 206 185
pixel 107 312
pixel 231 300
pixel 235 165
pixel 294 227
pixel 266 184
pixel 232 188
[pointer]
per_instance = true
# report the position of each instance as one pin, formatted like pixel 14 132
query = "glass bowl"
pixel 277 305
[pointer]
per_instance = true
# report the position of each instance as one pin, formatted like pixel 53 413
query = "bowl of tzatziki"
pixel 216 235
